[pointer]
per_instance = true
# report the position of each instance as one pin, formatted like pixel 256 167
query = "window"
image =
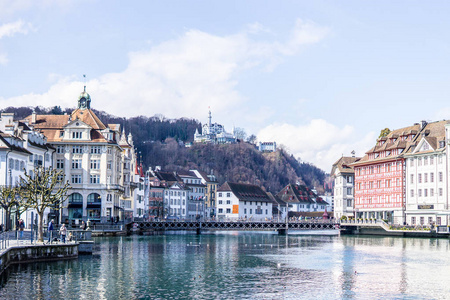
pixel 77 135
pixel 411 162
pixel 420 161
pixel 430 220
pixel 228 201
pixel 75 198
pixel 228 195
pixel 412 193
pixel 438 221
pixel 440 191
pixel 109 165
pixel 220 194
pixel 76 149
pixel 412 178
pixel 425 192
pixel 96 150
pixel 251 211
pixel 95 164
pixel 350 178
pixel 413 221
pixel 431 160
pixel 245 211
pixel 349 191
pixel 420 178
pixel 220 201
pixel 228 210
pixel 94 197
pixel 59 149
pixel 349 203
pixel 431 177
pixel 420 192
pixel 76 179
pixel 109 150
pixel 60 163
pixel 76 163
pixel 220 210
pixel 47 157
pixel 95 179
pixel 422 220
pixel 440 177
pixel 425 177
pixel 425 160
pixel 431 192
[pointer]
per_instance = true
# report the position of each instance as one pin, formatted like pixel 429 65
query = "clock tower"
pixel 84 100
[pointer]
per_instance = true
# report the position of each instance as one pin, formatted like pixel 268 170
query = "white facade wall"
pixel 225 202
pixel 343 195
pixel 255 210
pixel 175 200
pixel 427 189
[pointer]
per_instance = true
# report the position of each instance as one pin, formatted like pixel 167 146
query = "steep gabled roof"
pixel 343 165
pixel 245 191
pixel 89 117
pixel 295 193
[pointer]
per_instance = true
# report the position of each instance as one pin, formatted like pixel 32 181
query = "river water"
pixel 242 265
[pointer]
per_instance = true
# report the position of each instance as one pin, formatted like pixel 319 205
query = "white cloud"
pixel 181 77
pixel 318 141
pixel 10 29
pixel 3 59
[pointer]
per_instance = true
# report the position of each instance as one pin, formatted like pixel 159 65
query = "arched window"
pixel 11 163
pixel 94 197
pixel 22 165
pixel 75 198
pixel 17 165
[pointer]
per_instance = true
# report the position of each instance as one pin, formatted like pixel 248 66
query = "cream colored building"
pixel 96 162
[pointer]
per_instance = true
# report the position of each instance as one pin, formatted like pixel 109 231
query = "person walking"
pixel 63 232
pixel 21 227
pixel 50 230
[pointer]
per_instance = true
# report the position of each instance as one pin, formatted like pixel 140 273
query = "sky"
pixel 320 78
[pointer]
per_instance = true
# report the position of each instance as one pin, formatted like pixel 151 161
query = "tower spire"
pixel 84 76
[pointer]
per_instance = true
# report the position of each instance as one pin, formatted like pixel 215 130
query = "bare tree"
pixel 8 201
pixel 45 189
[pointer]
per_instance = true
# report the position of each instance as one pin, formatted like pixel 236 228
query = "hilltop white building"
pixel 213 133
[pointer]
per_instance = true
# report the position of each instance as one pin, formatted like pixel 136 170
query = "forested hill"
pixel 240 162
pixel 156 138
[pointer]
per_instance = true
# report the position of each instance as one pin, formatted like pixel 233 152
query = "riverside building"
pixel 380 177
pixel 427 176
pixel 243 201
pixel 344 186
pixel 94 163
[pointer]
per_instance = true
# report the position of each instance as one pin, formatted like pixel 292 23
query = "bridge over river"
pixel 281 227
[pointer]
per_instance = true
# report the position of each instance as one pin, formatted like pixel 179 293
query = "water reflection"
pixel 231 265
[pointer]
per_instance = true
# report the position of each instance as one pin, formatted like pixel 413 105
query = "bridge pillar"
pixel 283 231
pixel 199 231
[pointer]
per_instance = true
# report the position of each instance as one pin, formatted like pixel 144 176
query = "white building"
pixel 213 133
pixel 267 146
pixel 92 160
pixel 243 201
pixel 21 148
pixel 175 201
pixel 196 196
pixel 344 186
pixel 427 200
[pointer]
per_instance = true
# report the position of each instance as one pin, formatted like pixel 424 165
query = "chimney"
pixel 424 123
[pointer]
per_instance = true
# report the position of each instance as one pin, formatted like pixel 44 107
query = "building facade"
pixel 427 176
pixel 243 201
pixel 380 188
pixel 344 186
pixel 92 160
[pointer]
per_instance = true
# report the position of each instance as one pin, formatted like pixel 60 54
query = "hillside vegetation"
pixel 157 141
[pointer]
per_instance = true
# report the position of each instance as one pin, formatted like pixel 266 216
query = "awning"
pixel 94 205
pixel 75 205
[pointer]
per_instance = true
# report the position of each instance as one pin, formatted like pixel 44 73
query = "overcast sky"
pixel 321 78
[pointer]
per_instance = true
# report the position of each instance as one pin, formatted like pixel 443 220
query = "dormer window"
pixel 77 135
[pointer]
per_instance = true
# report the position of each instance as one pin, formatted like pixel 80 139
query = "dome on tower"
pixel 84 95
